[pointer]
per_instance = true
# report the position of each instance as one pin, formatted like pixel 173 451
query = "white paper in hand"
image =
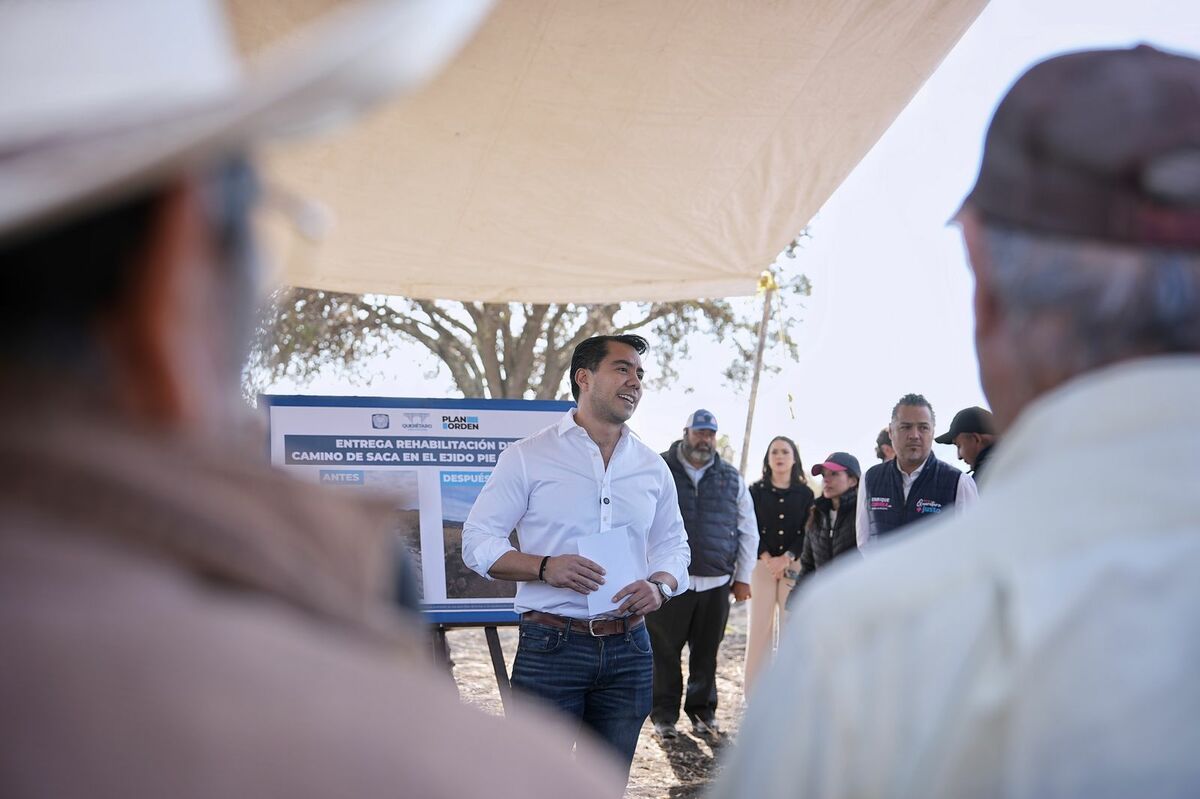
pixel 612 551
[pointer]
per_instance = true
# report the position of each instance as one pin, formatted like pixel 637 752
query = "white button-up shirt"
pixel 553 489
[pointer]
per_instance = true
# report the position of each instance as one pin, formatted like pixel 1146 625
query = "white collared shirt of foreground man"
pixel 553 489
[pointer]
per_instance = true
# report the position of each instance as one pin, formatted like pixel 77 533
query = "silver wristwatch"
pixel 664 589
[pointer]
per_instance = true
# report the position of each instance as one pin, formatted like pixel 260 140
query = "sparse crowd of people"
pixel 800 533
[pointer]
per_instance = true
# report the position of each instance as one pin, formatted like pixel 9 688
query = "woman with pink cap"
pixel 831 526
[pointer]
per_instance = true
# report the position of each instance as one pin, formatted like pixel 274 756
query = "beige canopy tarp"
pixel 604 151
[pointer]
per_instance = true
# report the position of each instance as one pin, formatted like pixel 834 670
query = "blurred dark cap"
pixel 1103 144
pixel 968 420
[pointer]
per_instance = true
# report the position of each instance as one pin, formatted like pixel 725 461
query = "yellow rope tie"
pixel 766 282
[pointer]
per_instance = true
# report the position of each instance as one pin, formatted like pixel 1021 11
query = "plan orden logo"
pixel 416 421
pixel 460 422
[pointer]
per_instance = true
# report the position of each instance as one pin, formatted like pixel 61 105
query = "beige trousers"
pixel 767 596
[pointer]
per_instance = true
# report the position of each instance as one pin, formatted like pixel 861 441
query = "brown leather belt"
pixel 593 627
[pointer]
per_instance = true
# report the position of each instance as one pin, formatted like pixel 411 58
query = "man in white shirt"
pixel 1046 644
pixel 914 485
pixel 723 536
pixel 585 476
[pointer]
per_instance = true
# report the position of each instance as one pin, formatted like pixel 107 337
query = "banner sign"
pixel 431 457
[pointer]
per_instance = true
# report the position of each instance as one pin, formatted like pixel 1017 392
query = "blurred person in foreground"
pixel 1044 645
pixel 830 531
pixel 782 500
pixel 973 434
pixel 178 619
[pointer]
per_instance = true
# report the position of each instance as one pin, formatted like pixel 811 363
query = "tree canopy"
pixel 501 350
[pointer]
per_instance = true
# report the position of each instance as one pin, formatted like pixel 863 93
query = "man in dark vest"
pixel 913 485
pixel 723 535
pixel 973 434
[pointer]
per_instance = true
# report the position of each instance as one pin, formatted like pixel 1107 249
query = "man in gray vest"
pixel 723 536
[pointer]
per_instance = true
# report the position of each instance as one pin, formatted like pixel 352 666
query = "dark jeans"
pixel 698 620
pixel 602 682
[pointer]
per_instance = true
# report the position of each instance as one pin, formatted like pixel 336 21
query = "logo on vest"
pixel 881 503
pixel 928 506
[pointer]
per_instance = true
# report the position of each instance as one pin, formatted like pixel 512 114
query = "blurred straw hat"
pixel 99 98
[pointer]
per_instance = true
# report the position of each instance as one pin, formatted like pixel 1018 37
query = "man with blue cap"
pixel 723 536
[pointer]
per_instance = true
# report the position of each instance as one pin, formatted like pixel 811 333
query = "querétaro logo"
pixel 381 421
pixel 416 421
pixel 460 422
pixel 928 506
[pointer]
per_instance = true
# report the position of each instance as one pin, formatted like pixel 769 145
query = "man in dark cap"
pixel 973 434
pixel 1045 644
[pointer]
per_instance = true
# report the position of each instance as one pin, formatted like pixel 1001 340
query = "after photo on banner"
pixel 430 458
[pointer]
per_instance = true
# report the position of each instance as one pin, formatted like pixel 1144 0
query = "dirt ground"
pixel 679 769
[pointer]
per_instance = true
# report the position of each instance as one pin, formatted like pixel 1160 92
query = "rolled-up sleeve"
pixel 496 511
pixel 667 545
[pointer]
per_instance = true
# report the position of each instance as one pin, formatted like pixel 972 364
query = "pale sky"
pixel 890 311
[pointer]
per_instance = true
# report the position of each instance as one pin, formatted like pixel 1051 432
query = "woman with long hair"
pixel 782 500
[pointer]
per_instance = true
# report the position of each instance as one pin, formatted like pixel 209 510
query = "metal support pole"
pixel 767 283
pixel 499 667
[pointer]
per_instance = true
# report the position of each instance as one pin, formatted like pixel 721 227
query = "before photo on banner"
pixel 430 458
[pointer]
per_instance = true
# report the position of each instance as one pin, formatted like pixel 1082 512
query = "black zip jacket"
pixel 782 514
pixel 823 542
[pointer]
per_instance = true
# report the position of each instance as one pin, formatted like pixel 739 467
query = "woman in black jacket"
pixel 831 529
pixel 782 500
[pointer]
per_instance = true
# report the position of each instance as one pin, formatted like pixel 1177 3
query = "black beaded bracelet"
pixel 542 569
